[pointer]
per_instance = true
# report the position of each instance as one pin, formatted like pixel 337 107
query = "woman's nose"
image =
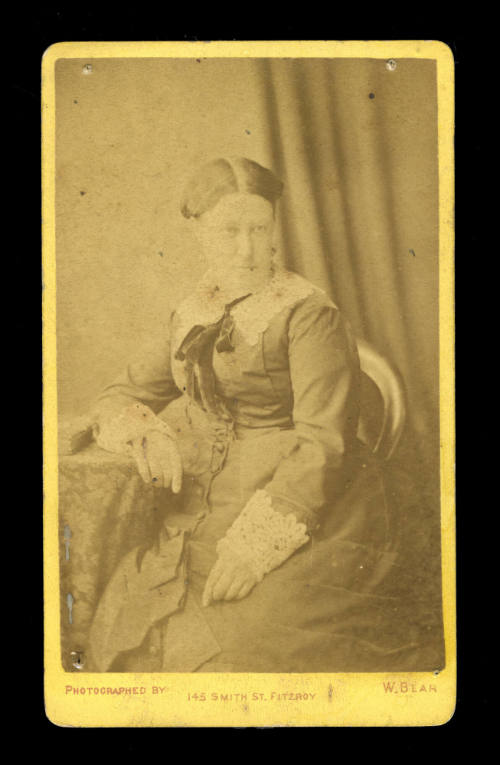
pixel 245 251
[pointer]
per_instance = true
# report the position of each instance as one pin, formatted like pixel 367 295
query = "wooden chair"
pixel 381 434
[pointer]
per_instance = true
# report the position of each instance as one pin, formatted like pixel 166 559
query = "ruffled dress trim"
pixel 261 536
pixel 133 422
pixel 254 316
pixel 208 302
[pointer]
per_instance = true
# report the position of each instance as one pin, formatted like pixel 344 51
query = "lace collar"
pixel 252 316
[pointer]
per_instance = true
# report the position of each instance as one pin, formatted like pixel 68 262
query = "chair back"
pixel 384 439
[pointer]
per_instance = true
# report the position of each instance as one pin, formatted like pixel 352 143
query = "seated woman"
pixel 276 551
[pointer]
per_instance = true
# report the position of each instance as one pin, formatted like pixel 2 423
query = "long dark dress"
pixel 265 393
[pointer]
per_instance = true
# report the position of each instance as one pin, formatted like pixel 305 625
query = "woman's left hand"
pixel 229 579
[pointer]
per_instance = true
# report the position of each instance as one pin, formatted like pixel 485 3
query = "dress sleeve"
pixel 324 373
pixel 325 378
pixel 127 408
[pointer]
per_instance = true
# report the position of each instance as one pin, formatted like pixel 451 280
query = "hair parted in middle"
pixel 228 176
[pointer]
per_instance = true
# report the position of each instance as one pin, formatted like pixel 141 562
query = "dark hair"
pixel 227 176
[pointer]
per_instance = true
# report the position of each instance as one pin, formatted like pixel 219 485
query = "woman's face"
pixel 237 238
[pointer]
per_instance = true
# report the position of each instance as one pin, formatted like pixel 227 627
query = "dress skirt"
pixel 338 604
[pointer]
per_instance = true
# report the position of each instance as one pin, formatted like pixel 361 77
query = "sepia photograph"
pixel 247 378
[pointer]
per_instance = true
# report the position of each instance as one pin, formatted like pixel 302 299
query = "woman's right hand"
pixel 158 460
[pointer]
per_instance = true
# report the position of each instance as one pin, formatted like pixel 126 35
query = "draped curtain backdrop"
pixel 356 145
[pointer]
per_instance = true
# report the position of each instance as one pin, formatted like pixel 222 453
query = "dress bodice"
pixel 251 371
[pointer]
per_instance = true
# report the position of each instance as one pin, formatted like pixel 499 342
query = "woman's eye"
pixel 259 228
pixel 231 230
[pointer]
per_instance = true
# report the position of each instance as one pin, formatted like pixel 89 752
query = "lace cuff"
pixel 133 422
pixel 261 536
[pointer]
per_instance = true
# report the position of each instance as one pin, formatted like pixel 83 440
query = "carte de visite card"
pixel 248 342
